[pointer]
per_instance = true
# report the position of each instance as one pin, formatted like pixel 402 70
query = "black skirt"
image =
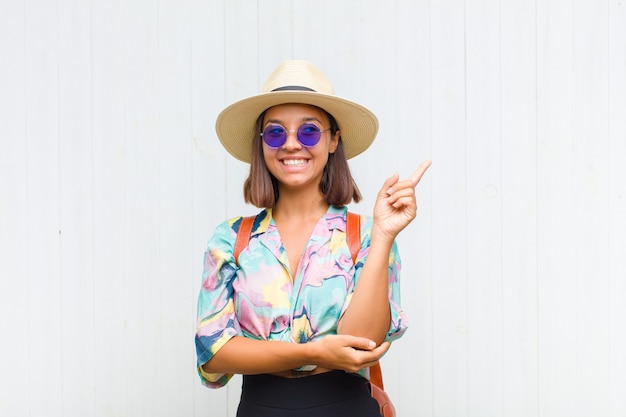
pixel 330 394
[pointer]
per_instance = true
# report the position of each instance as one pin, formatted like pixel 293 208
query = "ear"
pixel 334 142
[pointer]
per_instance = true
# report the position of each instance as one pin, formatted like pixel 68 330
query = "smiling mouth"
pixel 295 162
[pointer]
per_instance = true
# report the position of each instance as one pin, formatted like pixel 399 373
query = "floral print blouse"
pixel 263 299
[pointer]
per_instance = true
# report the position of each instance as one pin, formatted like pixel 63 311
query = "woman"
pixel 293 313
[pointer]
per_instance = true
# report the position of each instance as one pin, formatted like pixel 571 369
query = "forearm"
pixel 241 355
pixel 368 314
pixel 248 356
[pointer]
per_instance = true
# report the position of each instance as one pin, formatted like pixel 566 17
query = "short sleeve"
pixel 399 323
pixel 216 319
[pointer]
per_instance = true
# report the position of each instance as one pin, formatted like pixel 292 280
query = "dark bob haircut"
pixel 337 185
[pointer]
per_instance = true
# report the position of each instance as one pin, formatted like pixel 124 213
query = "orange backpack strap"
pixel 243 236
pixel 353 237
pixel 353 234
pixel 376 376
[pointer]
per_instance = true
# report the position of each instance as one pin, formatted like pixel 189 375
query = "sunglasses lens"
pixel 309 134
pixel 274 136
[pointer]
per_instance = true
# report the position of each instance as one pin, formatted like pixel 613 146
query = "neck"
pixel 300 206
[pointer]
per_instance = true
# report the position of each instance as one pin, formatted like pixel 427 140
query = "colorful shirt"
pixel 262 299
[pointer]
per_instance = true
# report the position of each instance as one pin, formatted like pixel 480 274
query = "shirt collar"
pixel 335 219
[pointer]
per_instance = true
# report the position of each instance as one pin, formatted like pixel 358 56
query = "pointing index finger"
pixel 419 172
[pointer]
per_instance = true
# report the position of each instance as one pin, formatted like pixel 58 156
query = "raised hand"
pixel 395 204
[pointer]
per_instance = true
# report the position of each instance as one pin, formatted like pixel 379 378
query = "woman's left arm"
pixel 369 314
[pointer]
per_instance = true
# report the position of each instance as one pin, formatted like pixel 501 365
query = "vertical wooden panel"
pixel 484 203
pixel 449 222
pixel 617 206
pixel 174 206
pixel 109 209
pixel 14 226
pixel 275 35
pixel 208 160
pixel 142 226
pixel 555 215
pixel 590 176
pixel 412 132
pixel 76 206
pixel 518 28
pixel 312 27
pixel 42 211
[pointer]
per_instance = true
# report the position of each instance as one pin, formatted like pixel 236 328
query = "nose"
pixel 292 141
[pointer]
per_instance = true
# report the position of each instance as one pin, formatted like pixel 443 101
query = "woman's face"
pixel 294 164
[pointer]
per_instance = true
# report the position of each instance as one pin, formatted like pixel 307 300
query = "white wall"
pixel 112 179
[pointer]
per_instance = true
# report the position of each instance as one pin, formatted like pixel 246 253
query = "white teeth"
pixel 294 162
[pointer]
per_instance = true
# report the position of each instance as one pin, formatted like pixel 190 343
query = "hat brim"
pixel 236 124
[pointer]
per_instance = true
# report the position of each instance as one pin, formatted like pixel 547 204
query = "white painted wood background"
pixel 112 180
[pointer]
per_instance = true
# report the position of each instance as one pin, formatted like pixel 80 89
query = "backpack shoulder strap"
pixel 353 234
pixel 243 236
pixel 376 375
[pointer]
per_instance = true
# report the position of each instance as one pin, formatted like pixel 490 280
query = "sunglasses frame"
pixel 297 132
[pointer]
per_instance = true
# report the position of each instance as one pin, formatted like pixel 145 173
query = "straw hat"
pixel 295 81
